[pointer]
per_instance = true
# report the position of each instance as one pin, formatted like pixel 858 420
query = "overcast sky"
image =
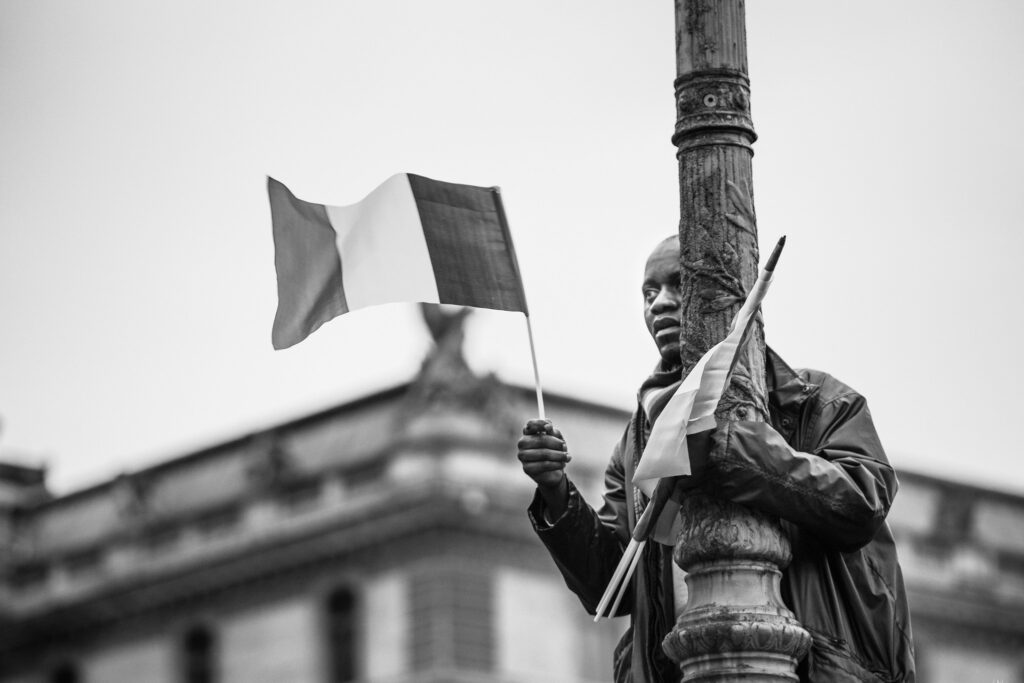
pixel 137 284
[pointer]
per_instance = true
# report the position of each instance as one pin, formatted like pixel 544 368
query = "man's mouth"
pixel 666 327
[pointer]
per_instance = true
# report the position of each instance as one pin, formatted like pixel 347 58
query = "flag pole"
pixel 536 374
pixel 503 221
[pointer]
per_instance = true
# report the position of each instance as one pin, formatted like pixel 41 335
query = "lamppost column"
pixel 735 626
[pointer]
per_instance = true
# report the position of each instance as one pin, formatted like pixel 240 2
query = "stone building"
pixel 385 540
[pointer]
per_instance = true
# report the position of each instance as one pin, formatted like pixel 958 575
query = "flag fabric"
pixel 412 239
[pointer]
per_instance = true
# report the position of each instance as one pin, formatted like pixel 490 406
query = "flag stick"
pixel 620 570
pixel 641 531
pixel 503 221
pixel 624 586
pixel 536 374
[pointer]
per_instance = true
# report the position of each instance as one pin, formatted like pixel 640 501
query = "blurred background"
pixel 181 501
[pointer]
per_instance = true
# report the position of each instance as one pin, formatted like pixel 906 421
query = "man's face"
pixel 662 298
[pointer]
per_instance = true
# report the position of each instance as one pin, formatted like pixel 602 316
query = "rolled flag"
pixel 690 410
pixel 412 239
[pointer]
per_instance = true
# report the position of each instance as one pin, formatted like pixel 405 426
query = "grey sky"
pixel 136 266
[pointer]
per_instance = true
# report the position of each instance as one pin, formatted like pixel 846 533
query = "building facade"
pixel 385 540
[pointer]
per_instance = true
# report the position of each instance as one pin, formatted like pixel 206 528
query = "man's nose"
pixel 667 300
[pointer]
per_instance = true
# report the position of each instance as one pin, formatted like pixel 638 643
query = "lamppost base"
pixel 740 667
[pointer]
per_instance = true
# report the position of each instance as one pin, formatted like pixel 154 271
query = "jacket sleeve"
pixel 585 544
pixel 840 491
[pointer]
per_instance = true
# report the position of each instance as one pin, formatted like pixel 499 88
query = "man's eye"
pixel 650 295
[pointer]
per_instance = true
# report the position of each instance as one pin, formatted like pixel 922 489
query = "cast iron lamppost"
pixel 735 626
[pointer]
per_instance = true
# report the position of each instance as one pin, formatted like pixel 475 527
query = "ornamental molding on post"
pixel 735 626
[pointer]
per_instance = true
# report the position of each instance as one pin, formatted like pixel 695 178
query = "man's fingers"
pixel 532 442
pixel 538 427
pixel 535 468
pixel 544 455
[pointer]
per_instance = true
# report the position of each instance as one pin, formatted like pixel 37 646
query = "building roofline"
pixel 937 481
pixel 187 458
pixel 383 395
pixel 553 398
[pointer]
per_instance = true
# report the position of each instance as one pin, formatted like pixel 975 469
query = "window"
pixel 300 497
pixel 65 673
pixel 452 620
pixel 365 474
pixel 162 539
pixel 29 577
pixel 84 563
pixel 219 522
pixel 341 635
pixel 198 656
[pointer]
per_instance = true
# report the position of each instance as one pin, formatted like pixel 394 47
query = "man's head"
pixel 662 298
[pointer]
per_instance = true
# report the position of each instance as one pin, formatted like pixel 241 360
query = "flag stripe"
pixel 309 278
pixel 469 247
pixel 520 292
pixel 384 257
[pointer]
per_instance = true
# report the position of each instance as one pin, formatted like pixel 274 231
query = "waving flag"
pixel 690 410
pixel 411 239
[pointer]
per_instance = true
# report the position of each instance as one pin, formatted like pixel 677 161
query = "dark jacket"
pixel 820 468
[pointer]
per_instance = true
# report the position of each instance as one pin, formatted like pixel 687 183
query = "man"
pixel 818 466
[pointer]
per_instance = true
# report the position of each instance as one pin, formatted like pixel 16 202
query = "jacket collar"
pixel 784 381
pixel 655 392
pixel 781 380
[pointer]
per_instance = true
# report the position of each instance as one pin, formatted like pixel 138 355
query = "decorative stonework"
pixel 735 624
pixel 715 529
pixel 713 101
pixel 446 384
pixel 732 632
pixel 131 492
pixel 270 465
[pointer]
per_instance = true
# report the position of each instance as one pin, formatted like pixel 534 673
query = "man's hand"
pixel 544 456
pixel 699 446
